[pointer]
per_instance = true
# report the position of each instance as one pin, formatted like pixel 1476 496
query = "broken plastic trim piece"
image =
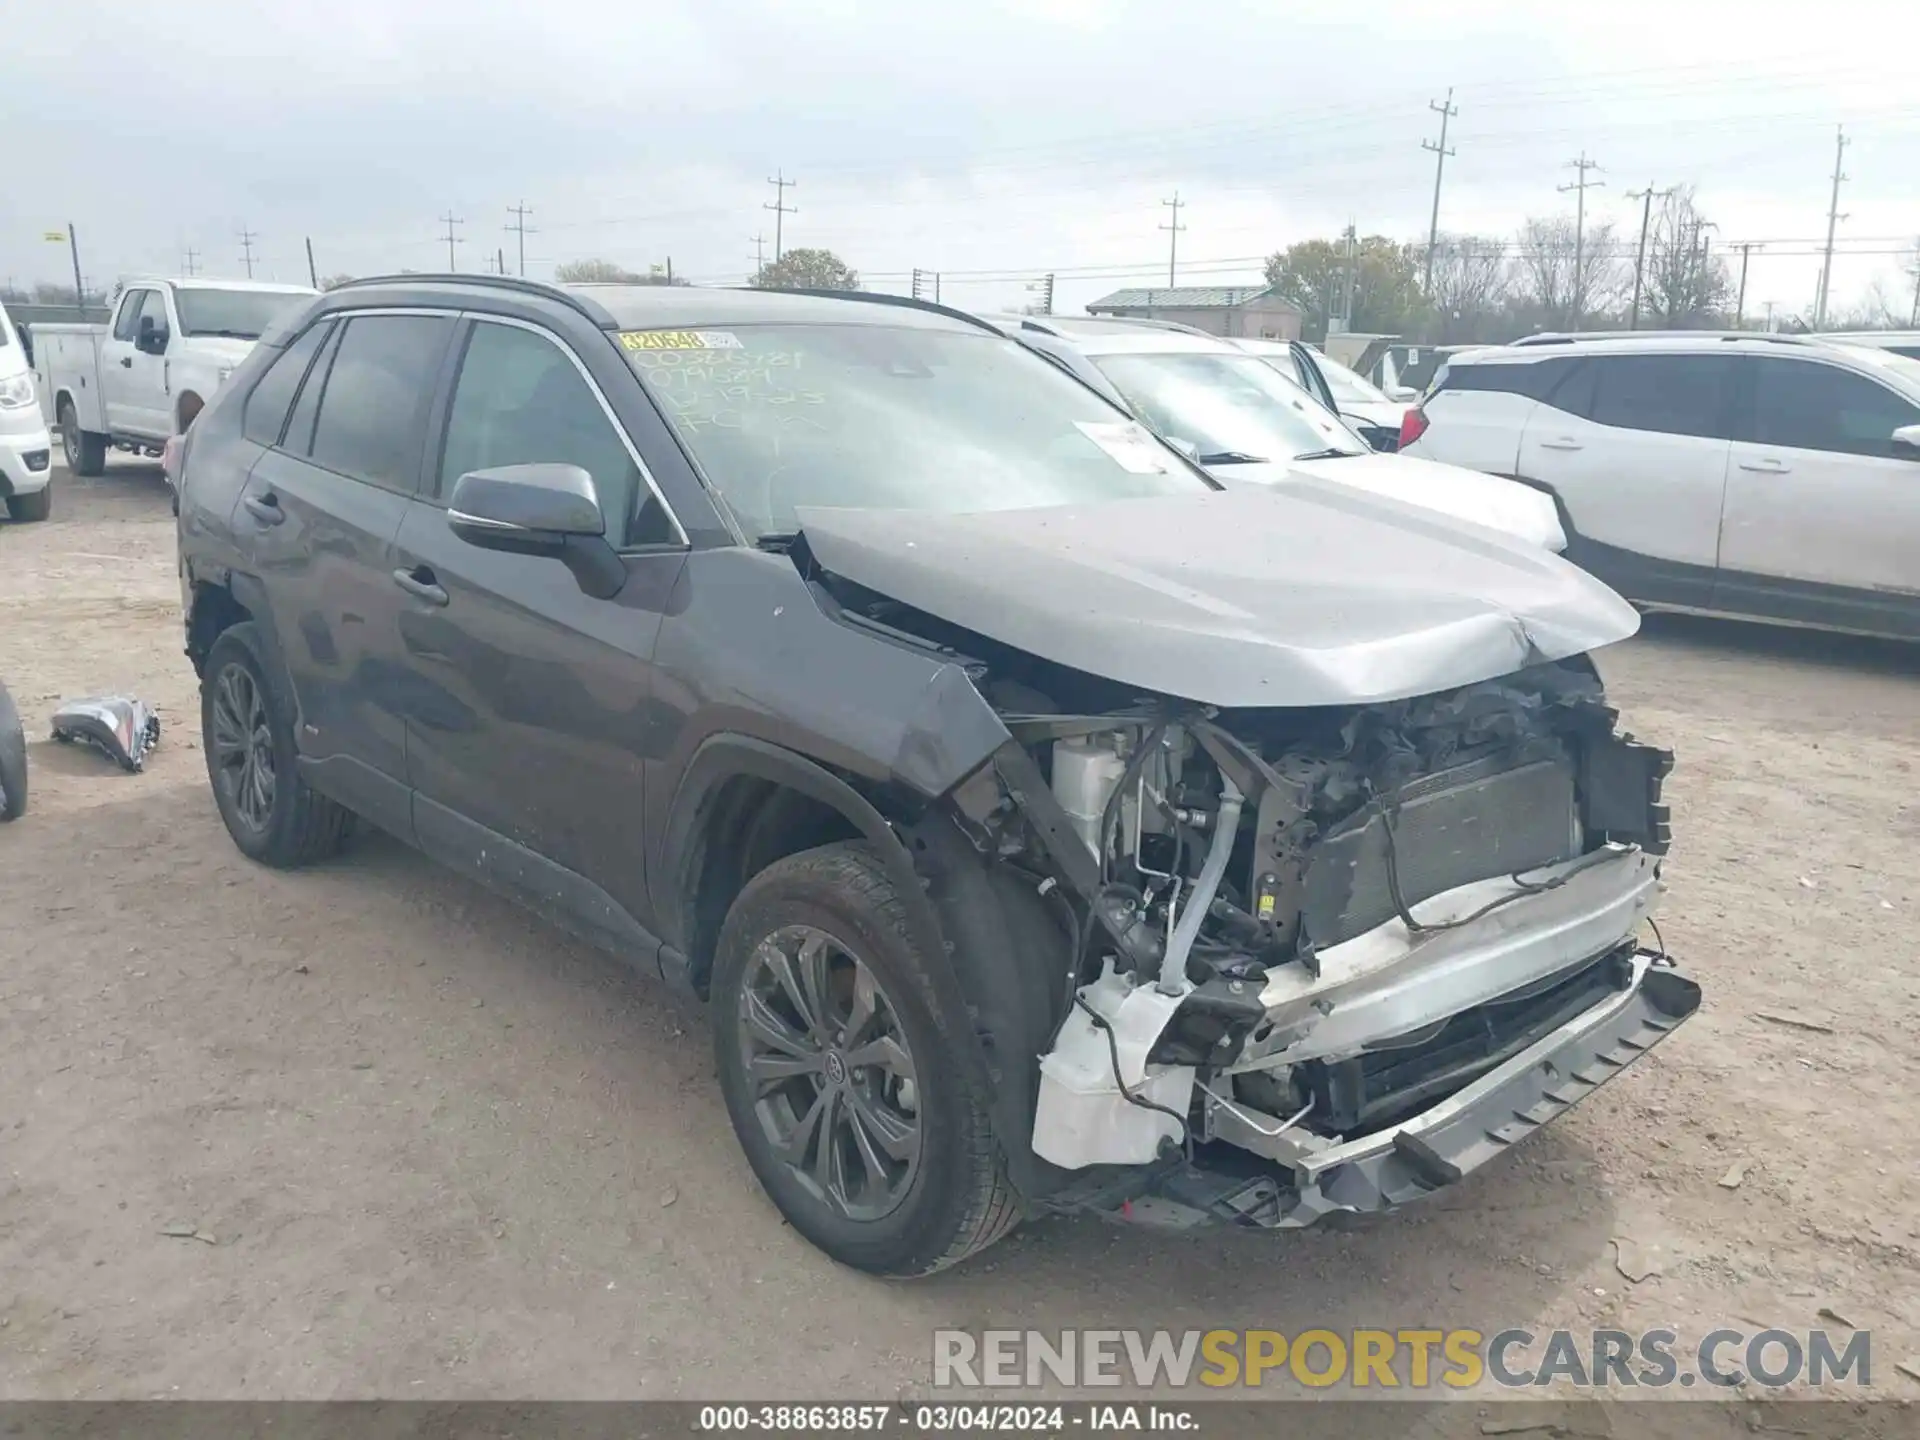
pixel 118 726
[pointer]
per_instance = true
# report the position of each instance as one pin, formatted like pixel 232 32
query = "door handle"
pixel 1766 465
pixel 264 508
pixel 1564 442
pixel 126 362
pixel 419 583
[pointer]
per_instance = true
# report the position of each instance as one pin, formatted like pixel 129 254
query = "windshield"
pixel 1230 408
pixel 1348 386
pixel 239 314
pixel 869 416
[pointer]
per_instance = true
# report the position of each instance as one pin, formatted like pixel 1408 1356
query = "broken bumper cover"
pixel 1407 1161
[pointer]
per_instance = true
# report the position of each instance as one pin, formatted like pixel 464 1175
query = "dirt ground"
pixel 441 1151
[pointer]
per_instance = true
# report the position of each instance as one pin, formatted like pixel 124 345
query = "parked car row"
pixel 1767 476
pixel 1052 825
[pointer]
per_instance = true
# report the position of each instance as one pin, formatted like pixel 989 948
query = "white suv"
pixel 1771 477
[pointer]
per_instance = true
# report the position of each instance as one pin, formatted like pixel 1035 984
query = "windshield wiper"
pixel 228 334
pixel 1230 457
pixel 1328 454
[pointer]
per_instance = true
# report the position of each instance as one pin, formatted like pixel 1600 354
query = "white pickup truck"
pixel 139 380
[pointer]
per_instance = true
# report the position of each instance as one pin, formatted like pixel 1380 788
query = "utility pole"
pixel 520 213
pixel 1440 153
pixel 193 261
pixel 917 281
pixel 450 220
pixel 1647 197
pixel 759 254
pixel 1769 317
pixel 247 237
pixel 1579 188
pixel 1834 217
pixel 1353 268
pixel 313 275
pixel 1740 304
pixel 1173 236
pixel 780 210
pixel 79 290
pixel 1045 287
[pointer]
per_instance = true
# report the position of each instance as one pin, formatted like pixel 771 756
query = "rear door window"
pixel 1665 394
pixel 272 396
pixel 127 320
pixel 372 423
pixel 1803 405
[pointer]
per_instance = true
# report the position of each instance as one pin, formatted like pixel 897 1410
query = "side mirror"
pixel 1906 442
pixel 1403 393
pixel 152 339
pixel 547 510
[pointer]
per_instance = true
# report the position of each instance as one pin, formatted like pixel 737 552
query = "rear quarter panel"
pixel 1479 429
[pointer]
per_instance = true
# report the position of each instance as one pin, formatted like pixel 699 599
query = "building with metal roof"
pixel 1249 311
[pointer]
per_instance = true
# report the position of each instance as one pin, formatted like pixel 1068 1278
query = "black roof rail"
pixel 880 297
pixel 571 298
pixel 1556 337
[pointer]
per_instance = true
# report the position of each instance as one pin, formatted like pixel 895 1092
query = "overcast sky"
pixel 990 140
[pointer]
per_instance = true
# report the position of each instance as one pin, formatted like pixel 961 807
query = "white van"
pixel 26 450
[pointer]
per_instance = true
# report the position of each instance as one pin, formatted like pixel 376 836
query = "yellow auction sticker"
pixel 679 340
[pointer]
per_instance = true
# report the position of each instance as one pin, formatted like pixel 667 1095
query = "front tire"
pixel 85 450
pixel 246 730
pixel 846 1088
pixel 35 506
pixel 13 760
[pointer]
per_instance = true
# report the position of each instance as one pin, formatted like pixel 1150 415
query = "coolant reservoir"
pixel 1083 1118
pixel 1086 770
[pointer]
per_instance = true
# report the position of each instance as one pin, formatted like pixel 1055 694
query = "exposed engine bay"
pixel 1313 934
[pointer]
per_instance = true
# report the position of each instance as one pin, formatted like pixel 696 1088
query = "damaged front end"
pixel 1330 958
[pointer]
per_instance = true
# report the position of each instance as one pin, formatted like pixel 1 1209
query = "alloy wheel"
pixel 242 742
pixel 833 1081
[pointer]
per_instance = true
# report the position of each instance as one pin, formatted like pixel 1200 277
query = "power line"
pixel 1579 187
pixel 247 237
pixel 1834 217
pixel 519 228
pixel 780 210
pixel 450 220
pixel 1173 236
pixel 1447 111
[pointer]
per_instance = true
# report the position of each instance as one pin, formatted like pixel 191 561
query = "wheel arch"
pixel 983 930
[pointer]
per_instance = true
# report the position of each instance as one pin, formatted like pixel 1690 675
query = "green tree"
pixel 807 269
pixel 1386 284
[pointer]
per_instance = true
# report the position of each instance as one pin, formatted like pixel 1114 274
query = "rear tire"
pixel 911 1179
pixel 35 506
pixel 246 729
pixel 85 450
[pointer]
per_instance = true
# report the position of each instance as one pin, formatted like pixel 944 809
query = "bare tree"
pixel 1686 285
pixel 1571 277
pixel 1472 282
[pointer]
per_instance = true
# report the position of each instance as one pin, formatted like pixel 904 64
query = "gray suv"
pixel 1049 830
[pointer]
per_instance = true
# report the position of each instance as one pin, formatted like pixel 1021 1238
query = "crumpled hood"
pixel 1307 594
pixel 1505 505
